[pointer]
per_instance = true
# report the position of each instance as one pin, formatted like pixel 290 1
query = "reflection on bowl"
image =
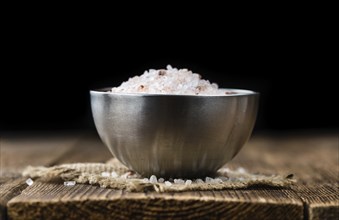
pixel 174 135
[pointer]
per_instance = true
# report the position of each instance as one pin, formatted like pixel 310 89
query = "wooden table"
pixel 312 158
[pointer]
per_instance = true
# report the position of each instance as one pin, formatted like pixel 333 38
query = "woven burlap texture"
pixel 91 173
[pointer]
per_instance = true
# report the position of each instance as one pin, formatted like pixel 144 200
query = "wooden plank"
pixel 321 201
pixel 42 149
pixel 282 156
pixel 313 160
pixel 38 201
pixel 18 151
pixel 9 188
pixel 53 201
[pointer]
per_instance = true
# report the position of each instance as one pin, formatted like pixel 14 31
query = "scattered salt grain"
pixel 105 174
pixel 223 178
pixel 179 181
pixel 208 180
pixel 153 179
pixel 199 181
pixel 145 180
pixel 29 181
pixel 114 174
pixel 69 183
pixel 168 183
pixel 188 182
pixel 217 180
pixel 91 180
pixel 161 180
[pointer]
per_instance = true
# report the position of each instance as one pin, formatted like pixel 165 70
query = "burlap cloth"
pixel 92 173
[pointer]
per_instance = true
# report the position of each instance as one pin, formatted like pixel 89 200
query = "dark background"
pixel 49 67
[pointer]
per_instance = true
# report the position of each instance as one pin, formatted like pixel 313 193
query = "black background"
pixel 49 67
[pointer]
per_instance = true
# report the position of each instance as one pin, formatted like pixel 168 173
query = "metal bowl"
pixel 174 135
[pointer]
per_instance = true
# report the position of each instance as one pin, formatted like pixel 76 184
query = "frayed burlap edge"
pixel 91 173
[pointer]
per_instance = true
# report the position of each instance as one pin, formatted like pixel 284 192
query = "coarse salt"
pixel 168 183
pixel 199 181
pixel 188 182
pixel 170 81
pixel 153 179
pixel 29 181
pixel 179 181
pixel 69 183
pixel 208 180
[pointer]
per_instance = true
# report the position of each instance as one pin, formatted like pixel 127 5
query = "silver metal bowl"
pixel 174 135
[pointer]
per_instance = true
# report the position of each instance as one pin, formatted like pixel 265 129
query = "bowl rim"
pixel 238 92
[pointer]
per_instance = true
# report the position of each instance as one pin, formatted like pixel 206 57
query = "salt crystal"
pixel 179 181
pixel 208 179
pixel 153 179
pixel 29 181
pixel 217 180
pixel 69 183
pixel 145 180
pixel 105 174
pixel 188 182
pixel 168 183
pixel 161 180
pixel 91 181
pixel 223 178
pixel 199 181
pixel 114 174
pixel 170 81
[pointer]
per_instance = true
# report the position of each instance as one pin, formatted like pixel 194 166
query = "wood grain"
pixel 9 188
pixel 19 151
pixel 313 159
pixel 81 201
